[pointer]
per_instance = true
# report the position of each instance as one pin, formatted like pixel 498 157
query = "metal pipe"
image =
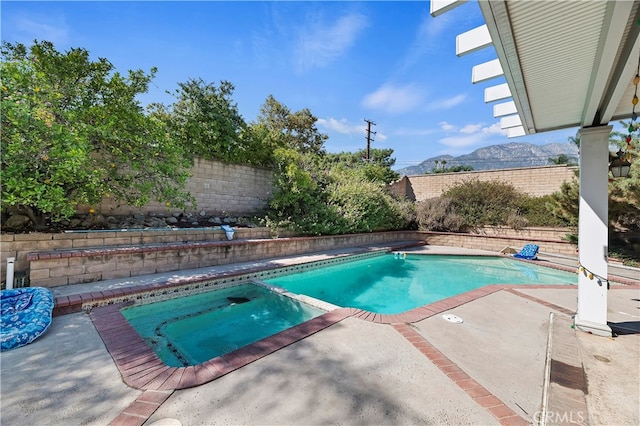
pixel 10 265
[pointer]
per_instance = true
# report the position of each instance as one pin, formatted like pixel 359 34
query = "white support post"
pixel 593 230
pixel 9 278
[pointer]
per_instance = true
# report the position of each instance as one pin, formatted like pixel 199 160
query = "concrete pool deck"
pixel 488 370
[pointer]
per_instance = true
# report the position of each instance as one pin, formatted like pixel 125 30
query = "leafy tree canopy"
pixel 74 133
pixel 562 159
pixel 377 169
pixel 205 120
pixel 296 130
pixel 452 169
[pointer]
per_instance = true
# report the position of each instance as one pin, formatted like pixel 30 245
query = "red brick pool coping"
pixel 142 369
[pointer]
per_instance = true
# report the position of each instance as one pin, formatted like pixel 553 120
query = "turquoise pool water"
pixel 389 285
pixel 193 329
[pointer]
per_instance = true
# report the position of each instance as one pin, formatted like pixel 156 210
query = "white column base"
pixel 593 327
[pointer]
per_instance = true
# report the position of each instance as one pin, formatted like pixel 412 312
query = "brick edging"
pixel 477 392
pixel 141 368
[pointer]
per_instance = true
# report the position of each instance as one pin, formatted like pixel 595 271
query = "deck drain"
pixel 602 358
pixel 453 318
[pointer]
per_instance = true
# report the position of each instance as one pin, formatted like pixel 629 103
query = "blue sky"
pixel 389 62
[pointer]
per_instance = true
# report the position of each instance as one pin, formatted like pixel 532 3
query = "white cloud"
pixel 394 99
pixel 318 44
pixel 471 128
pixel 469 134
pixel 341 126
pixel 453 101
pixel 494 129
pixel 447 127
pixel 446 103
pixel 42 28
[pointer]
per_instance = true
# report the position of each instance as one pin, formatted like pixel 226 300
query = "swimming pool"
pixel 391 284
pixel 193 329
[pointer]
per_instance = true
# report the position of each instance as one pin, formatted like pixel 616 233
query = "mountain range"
pixel 493 157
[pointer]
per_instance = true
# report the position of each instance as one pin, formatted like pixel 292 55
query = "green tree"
pixel 257 146
pixel 565 202
pixel 74 133
pixel 205 120
pixel 624 200
pixel 329 194
pixel 453 169
pixel 624 193
pixel 299 197
pixel 295 130
pixel 562 159
pixel 377 169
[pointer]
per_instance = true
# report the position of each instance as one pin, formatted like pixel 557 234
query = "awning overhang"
pixel 566 64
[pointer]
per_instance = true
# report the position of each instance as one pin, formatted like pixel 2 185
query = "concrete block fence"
pixel 99 257
pixel 535 181
pixel 51 260
pixel 218 188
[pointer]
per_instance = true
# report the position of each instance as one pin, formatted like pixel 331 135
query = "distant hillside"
pixel 493 157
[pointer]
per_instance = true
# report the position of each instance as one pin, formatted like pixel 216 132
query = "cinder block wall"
pixel 497 242
pixel 535 181
pixel 94 260
pixel 70 258
pixel 20 245
pixel 219 188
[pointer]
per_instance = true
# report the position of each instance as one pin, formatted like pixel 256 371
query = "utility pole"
pixel 369 138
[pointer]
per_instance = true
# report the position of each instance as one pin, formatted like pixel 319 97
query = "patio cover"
pixel 566 64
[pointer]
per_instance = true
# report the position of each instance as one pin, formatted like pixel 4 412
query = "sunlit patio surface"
pixel 515 359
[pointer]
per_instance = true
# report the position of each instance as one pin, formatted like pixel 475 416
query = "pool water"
pixel 193 329
pixel 391 284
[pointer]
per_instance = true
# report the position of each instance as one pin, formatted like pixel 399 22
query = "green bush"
pixel 438 214
pixel 484 202
pixel 365 206
pixel 538 211
pixel 314 201
pixel 564 204
pixel 475 203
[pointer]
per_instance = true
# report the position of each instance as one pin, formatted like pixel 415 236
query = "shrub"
pixel 365 206
pixel 313 201
pixel 475 203
pixel 538 211
pixel 517 221
pixel 438 214
pixel 483 202
pixel 564 204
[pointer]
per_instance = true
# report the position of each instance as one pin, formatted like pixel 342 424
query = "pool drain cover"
pixel 453 318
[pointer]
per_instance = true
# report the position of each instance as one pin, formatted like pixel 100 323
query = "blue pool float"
pixel 26 315
pixel 530 251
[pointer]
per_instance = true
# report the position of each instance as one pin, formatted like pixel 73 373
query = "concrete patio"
pixel 490 369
